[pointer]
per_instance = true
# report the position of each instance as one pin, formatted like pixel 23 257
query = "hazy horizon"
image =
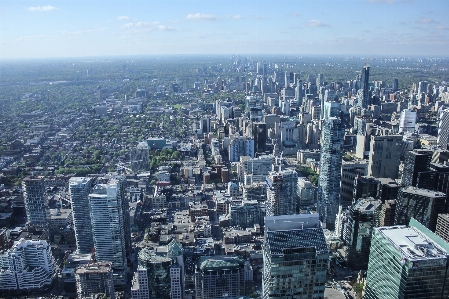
pixel 69 29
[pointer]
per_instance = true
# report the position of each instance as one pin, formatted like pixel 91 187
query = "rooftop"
pixel 207 263
pixel 412 243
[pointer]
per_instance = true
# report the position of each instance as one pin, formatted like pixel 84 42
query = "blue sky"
pixel 38 29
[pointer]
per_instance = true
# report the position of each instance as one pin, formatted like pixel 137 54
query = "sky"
pixel 53 28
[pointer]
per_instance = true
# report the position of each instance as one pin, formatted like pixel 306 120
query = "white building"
pixel 108 226
pixel 407 121
pixel 139 288
pixel 27 265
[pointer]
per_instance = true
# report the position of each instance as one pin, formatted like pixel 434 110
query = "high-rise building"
pixel 385 152
pixel 93 279
pixel 407 121
pixel 363 96
pixel 442 229
pixel 421 204
pixel 443 129
pixel 240 146
pixel 306 193
pixel 139 286
pixel 36 202
pixel 79 189
pixel 350 170
pixel 282 189
pixel 27 266
pixel 332 137
pixel 415 161
pixel 387 213
pixel 259 130
pixel 366 186
pixel 362 217
pixel 407 262
pixel 295 257
pixel 219 276
pixel 108 226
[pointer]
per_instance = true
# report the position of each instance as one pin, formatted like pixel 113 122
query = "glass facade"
pixel 407 262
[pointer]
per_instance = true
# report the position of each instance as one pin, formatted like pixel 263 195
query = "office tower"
pixel 240 146
pixel 363 94
pixel 93 279
pixel 350 170
pixel 389 189
pixel 282 188
pixel 395 84
pixel 362 217
pixel 36 202
pixel 157 274
pixel 407 121
pixel 385 152
pixel 295 257
pixel 108 226
pixel 443 129
pixel 27 266
pixel 306 193
pixel 422 204
pixel 332 136
pixel 319 80
pixel 407 262
pixel 79 189
pixel 387 213
pixel 260 136
pixel 219 276
pixel 442 229
pixel 256 169
pixel 331 109
pixel 415 161
pixel 366 186
pixel 299 92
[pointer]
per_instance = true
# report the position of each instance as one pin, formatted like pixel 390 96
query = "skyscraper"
pixel 36 203
pixel 407 121
pixel 363 96
pixel 330 170
pixel 422 204
pixel 443 129
pixel 219 275
pixel 79 189
pixel 108 226
pixel 415 161
pixel 260 136
pixel 282 189
pixel 362 217
pixel 407 262
pixel 385 152
pixel 295 257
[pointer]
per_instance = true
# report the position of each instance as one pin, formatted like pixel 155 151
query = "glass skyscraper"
pixel 407 262
pixel 295 257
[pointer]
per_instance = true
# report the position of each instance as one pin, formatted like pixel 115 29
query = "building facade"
pixel 295 257
pixel 108 227
pixel 282 189
pixel 93 279
pixel 79 189
pixel 407 262
pixel 332 137
pixel 27 266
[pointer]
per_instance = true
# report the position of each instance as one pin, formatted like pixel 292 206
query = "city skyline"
pixel 35 29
